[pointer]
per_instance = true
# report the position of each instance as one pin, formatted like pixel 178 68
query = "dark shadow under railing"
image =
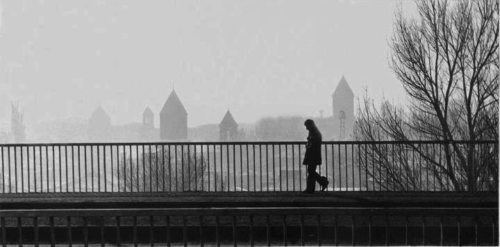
pixel 252 226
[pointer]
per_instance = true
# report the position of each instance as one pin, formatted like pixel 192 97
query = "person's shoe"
pixel 324 184
pixel 308 191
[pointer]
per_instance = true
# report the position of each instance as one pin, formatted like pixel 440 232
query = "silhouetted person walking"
pixel 312 158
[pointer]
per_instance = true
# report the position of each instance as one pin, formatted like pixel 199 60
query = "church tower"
pixel 99 125
pixel 148 118
pixel 343 110
pixel 173 119
pixel 228 128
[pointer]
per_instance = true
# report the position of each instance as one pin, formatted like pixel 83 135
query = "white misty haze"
pixel 60 59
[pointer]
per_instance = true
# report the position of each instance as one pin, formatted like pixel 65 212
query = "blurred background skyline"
pixel 62 59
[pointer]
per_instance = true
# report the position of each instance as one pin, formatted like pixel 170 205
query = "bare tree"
pixel 447 62
pixel 154 171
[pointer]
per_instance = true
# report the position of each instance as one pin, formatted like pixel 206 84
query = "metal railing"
pixel 251 226
pixel 246 166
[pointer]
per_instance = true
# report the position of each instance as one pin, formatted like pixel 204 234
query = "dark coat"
pixel 313 149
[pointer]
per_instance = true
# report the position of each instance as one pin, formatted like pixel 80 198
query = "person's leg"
pixel 315 177
pixel 311 178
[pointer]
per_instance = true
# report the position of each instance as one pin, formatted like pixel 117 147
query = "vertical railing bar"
pixel 70 235
pixel 35 231
pixel 79 168
pixel 346 169
pixel 117 218
pixel 268 230
pixel 386 222
pixel 260 165
pixel 217 237
pixel 248 167
pixel 3 169
pixel 136 167
pixel 189 166
pixel 144 167
pixel 370 222
pixel 2 225
pixel 157 174
pixel 182 166
pixel 167 223
pixel 72 167
pixel 234 167
pixel 352 167
pixel 340 167
pixel 318 229
pixel 20 227
pixel 184 230
pixel 28 164
pixel 10 169
pixel 202 239
pixel 441 230
pixel 353 230
pixel 274 170
pixel 101 224
pixel 332 147
pixel 302 229
pixel 252 241
pixel 476 239
pixel 279 159
pixel 208 168
pixel 221 149
pixel 170 170
pixel 134 230
pixel 423 230
pixel 286 168
pixel 406 229
pixel 233 223
pixel 241 166
pixel 60 169
pixel 326 159
pixel 52 234
pixel 98 168
pixel 151 228
pixel 228 168
pixel 293 167
pixel 215 167
pixel 66 165
pixel 284 231
pixel 85 231
pixel 163 167
pixel 267 167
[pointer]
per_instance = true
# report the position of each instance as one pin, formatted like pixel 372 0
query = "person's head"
pixel 310 125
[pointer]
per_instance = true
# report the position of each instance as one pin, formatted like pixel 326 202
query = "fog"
pixel 62 59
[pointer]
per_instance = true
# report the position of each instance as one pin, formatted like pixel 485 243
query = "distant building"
pixel 228 128
pixel 343 111
pixel 99 125
pixel 148 118
pixel 173 119
pixel 147 129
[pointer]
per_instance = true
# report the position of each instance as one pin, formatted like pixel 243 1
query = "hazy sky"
pixel 60 59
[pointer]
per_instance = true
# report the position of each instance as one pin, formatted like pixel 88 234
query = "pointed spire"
pixel 343 88
pixel 173 105
pixel 228 120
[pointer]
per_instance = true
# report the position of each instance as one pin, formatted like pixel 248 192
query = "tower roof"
pixel 147 112
pixel 343 88
pixel 228 120
pixel 100 115
pixel 173 105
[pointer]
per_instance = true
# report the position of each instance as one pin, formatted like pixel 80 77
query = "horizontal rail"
pixel 246 211
pixel 244 142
